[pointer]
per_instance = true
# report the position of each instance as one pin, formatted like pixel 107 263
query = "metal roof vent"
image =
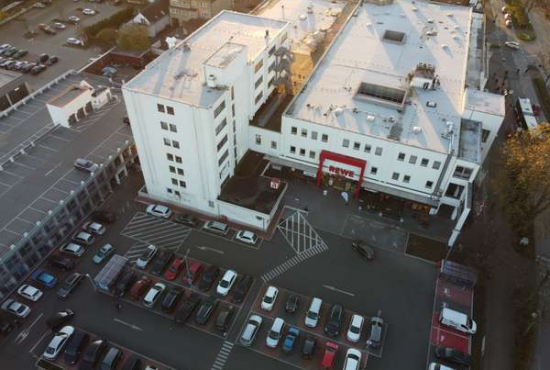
pixel 417 129
pixel 394 36
pixel 370 118
pixel 431 104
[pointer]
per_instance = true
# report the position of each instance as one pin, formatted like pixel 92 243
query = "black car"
pixel 104 216
pixel 205 310
pixel 27 68
pixel 38 69
pixel 208 278
pixel 162 262
pixel 308 348
pixel 365 250
pixel 241 288
pixel 6 326
pixel 52 60
pixel 186 220
pixel 171 300
pixel 334 322
pixel 133 363
pixel 60 319
pixel 43 58
pixel 224 318
pixel 125 282
pixel 187 308
pixel 61 263
pixel 292 303
pixel 70 284
pixel 453 355
pixel 111 359
pixel 79 340
pixel 92 355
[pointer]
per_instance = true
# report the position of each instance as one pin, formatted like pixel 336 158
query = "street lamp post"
pixel 187 267
pixel 89 278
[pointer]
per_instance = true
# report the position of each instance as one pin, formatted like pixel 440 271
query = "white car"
pixel 512 44
pixel 247 237
pixel 355 328
pixel 269 298
pixel 59 26
pixel 29 292
pixel 88 11
pixel 353 359
pixel 436 366
pixel 58 342
pixel 146 257
pixel 226 282
pixel 38 5
pixel 73 19
pixel 94 228
pixel 4 47
pixel 72 249
pixel 153 295
pixel 73 41
pixel 84 238
pixel 18 309
pixel 159 211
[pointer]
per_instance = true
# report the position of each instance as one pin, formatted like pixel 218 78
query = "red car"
pixel 177 265
pixel 331 349
pixel 140 287
pixel 192 275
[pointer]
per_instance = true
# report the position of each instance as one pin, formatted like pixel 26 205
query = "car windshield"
pixel 145 254
pixel 312 315
pixel 353 357
pixel 50 350
pixel 354 330
pixel 224 283
pixel 268 299
pixel 274 335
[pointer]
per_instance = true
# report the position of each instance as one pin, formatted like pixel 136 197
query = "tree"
pixel 133 37
pixel 522 184
pixel 106 37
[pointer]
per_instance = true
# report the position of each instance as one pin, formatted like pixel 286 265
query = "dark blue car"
pixel 44 278
pixel 290 339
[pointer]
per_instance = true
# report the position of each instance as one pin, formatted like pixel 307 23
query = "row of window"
pixel 367 148
pixel 181 183
pixel 221 126
pixel 223 157
pixel 302 152
pixel 222 142
pixel 178 170
pixel 314 134
pixel 173 158
pixel 424 162
pixel 407 179
pixel 165 109
pixel 168 126
pixel 172 143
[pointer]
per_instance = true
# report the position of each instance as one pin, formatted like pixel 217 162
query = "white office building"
pixel 387 109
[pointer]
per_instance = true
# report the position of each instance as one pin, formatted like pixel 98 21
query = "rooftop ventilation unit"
pixel 382 95
pixel 417 129
pixel 394 36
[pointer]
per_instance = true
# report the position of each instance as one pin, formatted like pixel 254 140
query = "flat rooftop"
pixel 370 80
pixel 35 182
pixel 306 18
pixel 178 74
pixel 67 96
pixel 7 76
pixel 484 101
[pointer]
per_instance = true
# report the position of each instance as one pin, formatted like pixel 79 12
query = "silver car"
pixel 58 342
pixel 85 164
pixel 146 257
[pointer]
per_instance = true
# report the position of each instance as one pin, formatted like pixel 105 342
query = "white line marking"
pixel 132 326
pixel 329 287
pixel 53 169
pixel 31 351
pixel 204 248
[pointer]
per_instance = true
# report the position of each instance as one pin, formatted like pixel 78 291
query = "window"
pixel 293 149
pixel 436 165
pixel 401 157
pixel 174 181
pixel 271 67
pixel 177 193
pixel 302 152
pixel 374 170
pixel 167 142
pixel 222 142
pixel 345 143
pixel 356 145
pixel 406 179
pixel 324 138
pixel 313 135
pixel 170 110
pixel 160 108
pixel 223 157
pixel 412 159
pixel 163 125
pixel 221 126
pixel 463 173
pixel 395 176
pixel 311 154
pixel 272 50
pixel 424 162
pixel 180 172
pixel 367 148
pixel 259 97
pixel 258 82
pixel 183 184
pixel 378 151
pixel 258 139
pixel 294 130
pixel 485 135
pixel 175 144
pixel 304 132
pixel 232 93
pixel 429 184
pixel 173 128
pixel 169 156
pixel 178 159
pixel 454 191
pixel 258 65
pixel 219 109
pixel 271 82
pixel 273 145
pixel 172 169
pixel 233 110
pixel 169 191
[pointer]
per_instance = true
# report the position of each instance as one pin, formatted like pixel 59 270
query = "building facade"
pixel 185 10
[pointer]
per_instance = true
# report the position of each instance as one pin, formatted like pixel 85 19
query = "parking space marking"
pixel 292 262
pixel 135 251
pixel 299 233
pixel 223 355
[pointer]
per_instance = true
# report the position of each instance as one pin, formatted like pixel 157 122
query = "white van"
pixel 275 333
pixel 313 313
pixel 457 320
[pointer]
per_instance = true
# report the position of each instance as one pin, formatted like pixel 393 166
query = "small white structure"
pixel 155 17
pixel 101 96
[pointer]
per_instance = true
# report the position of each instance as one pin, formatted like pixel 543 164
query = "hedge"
pixel 542 93
pixel 114 21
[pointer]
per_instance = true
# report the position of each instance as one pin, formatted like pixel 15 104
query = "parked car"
pixel 111 359
pixel 140 287
pixel 126 280
pixel 44 278
pixel 49 30
pixel 512 44
pixel 186 220
pixel 241 288
pixel 52 60
pixel 78 341
pixel 247 237
pixel 10 52
pixel 133 363
pixel 59 26
pixel 334 322
pixel 59 319
pixel 291 338
pixel 15 308
pixel 437 366
pixel 29 292
pixel 94 228
pixel 269 299
pixel 28 67
pixel 58 343
pixel 364 250
pixel 146 257
pixel 216 227
pixel 84 238
pixel 175 268
pixel 159 211
pixel 85 165
pixel 226 282
pixel 73 19
pixel 38 5
pixel 37 69
pixel 43 58
pixel 171 300
pixel 275 333
pixel 20 54
pixel 205 310
pixel 248 335
pixel 292 303
pixel 376 328
pixel 92 355
pixel 452 355
pixel 331 350
pixel 87 11
pixel 186 308
pixel 208 278
pixel 162 262
pixel 103 253
pixel 308 348
pixel 224 318
pixel 192 275
pixel 353 359
pixel 355 328
pixel 70 284
pixel 61 263
pixel 72 249
pixel 104 216
pixel 153 295
pixel 4 47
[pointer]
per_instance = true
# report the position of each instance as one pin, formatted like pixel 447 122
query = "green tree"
pixel 133 37
pixel 106 37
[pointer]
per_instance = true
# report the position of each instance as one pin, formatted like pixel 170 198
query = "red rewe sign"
pixel 345 160
pixel 340 171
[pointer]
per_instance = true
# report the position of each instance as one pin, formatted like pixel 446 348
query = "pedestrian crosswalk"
pixel 299 233
pixel 291 262
pixel 148 229
pixel 222 357
pixel 135 251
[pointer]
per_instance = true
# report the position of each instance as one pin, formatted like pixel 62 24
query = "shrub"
pixel 114 21
pixel 542 93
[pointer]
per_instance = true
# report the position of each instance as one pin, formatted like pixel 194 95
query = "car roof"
pixel 271 290
pixel 229 274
